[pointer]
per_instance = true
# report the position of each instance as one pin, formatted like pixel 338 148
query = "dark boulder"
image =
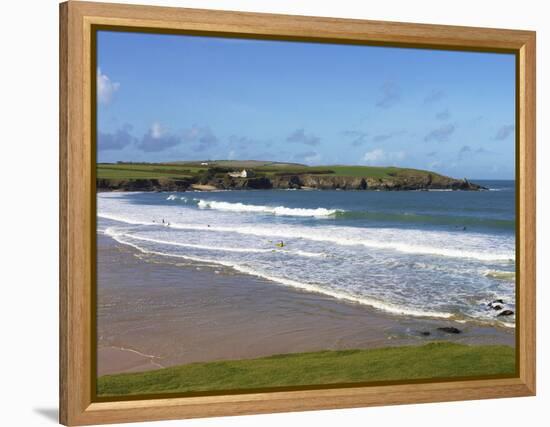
pixel 496 304
pixel 505 313
pixel 449 330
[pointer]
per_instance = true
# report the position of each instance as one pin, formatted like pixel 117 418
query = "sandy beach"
pixel 153 314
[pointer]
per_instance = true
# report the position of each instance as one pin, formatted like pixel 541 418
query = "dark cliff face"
pixel 305 181
pixel 321 182
pixel 403 182
pixel 143 184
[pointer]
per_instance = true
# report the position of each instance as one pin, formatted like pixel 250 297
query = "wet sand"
pixel 153 313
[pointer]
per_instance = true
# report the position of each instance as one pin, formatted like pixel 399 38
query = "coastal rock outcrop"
pixel 105 184
pixel 449 330
pixel 220 179
pixel 505 313
pixel 327 182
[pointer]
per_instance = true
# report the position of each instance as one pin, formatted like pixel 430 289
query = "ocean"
pixel 435 254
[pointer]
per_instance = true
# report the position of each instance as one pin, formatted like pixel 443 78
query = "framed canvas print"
pixel 265 213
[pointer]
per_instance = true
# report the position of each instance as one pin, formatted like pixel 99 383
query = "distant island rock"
pixel 257 175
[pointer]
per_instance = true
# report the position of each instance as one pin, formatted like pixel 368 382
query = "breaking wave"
pixel 274 210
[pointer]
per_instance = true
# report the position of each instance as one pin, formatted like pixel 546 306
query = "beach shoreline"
pixel 155 313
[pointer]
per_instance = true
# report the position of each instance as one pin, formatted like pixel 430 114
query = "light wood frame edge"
pixel 76 406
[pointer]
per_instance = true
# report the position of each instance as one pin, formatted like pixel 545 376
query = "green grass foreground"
pixel 433 360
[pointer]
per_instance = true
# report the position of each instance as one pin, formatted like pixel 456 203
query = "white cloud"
pixel 308 157
pixel 115 140
pixel 299 135
pixel 374 155
pixel 504 132
pixel 379 157
pixel 313 158
pixel 434 165
pixel 440 134
pixel 156 130
pixel 391 95
pixel 105 88
pixel 158 139
pixel 202 136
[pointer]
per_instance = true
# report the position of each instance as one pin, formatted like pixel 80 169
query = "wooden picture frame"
pixel 78 405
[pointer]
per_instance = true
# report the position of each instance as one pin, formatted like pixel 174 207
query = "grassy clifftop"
pixel 434 360
pixel 266 175
pixel 187 170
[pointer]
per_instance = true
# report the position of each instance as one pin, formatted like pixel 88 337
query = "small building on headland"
pixel 242 174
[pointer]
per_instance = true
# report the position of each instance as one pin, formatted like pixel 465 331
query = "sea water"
pixel 441 254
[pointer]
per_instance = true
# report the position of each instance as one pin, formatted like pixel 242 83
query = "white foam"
pixel 274 210
pixel 348 262
pixel 384 241
pixel 305 253
pixel 500 274
pixel 114 232
pixel 391 308
pixel 124 219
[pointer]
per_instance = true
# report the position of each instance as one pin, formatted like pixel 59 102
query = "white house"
pixel 241 174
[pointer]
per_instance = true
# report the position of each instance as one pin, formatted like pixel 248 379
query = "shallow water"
pixel 431 254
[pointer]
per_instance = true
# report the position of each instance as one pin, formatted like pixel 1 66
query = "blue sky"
pixel 170 97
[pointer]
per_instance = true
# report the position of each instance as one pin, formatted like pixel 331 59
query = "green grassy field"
pixel 191 169
pixel 433 360
pixel 146 171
